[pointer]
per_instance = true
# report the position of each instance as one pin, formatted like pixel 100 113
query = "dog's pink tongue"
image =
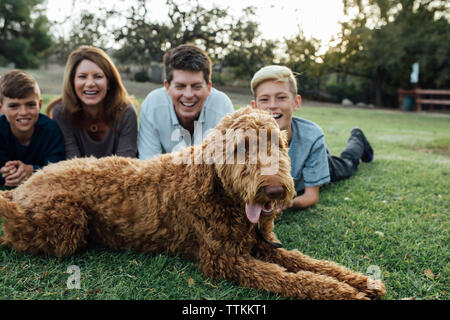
pixel 253 212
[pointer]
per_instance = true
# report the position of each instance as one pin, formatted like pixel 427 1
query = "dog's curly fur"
pixel 197 208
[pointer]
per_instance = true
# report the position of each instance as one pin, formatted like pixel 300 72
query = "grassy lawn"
pixel 392 217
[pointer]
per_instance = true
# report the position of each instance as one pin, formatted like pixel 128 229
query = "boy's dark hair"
pixel 187 57
pixel 16 84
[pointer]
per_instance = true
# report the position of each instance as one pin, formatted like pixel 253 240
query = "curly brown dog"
pixel 205 201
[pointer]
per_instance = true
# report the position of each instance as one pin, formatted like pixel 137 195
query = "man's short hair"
pixel 274 73
pixel 17 84
pixel 187 57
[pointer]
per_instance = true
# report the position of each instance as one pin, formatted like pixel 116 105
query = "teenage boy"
pixel 29 140
pixel 274 89
pixel 180 113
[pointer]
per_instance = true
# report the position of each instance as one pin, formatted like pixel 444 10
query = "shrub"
pixel 141 76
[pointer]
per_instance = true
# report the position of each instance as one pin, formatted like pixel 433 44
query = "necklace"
pixel 93 119
pixel 93 128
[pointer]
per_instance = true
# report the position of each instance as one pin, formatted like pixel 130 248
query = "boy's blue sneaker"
pixel 368 153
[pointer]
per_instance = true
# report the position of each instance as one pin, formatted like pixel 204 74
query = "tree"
pixel 234 41
pixel 246 60
pixel 144 40
pixel 303 57
pixel 243 50
pixel 87 29
pixel 385 37
pixel 24 36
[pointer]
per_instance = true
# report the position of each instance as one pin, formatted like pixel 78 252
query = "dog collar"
pixel 259 233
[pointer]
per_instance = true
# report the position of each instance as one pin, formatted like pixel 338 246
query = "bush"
pixel 141 76
pixel 3 61
pixel 349 91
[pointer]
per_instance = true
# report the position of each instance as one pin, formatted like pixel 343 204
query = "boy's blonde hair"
pixel 17 84
pixel 274 73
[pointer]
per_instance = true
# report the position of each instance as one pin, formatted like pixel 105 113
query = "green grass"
pixel 393 214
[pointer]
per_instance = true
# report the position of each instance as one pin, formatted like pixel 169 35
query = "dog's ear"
pixel 242 111
pixel 204 184
pixel 284 143
pixel 231 119
pixel 218 187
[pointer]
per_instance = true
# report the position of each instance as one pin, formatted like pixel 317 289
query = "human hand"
pixel 279 209
pixel 8 169
pixel 16 172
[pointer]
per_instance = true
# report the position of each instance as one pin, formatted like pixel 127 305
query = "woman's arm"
pixel 127 144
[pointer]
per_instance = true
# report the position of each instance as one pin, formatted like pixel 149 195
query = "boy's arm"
pixel 55 150
pixel 3 159
pixel 12 173
pixel 15 172
pixel 309 198
pixel 316 173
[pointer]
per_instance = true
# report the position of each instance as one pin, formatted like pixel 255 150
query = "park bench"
pixel 426 97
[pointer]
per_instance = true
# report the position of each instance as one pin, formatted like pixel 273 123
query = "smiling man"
pixel 29 140
pixel 182 112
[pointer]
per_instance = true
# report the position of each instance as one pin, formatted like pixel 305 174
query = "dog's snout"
pixel 274 192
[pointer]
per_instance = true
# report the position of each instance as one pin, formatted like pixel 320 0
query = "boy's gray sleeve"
pixel 316 171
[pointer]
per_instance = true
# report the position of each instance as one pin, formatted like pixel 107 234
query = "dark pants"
pixel 346 164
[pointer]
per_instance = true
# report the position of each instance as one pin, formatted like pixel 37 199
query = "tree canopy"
pixel 368 61
pixel 24 36
pixel 385 37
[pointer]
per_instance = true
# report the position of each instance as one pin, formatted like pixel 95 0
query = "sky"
pixel 278 19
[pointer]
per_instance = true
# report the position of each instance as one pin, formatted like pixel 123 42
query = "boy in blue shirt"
pixel 274 89
pixel 29 140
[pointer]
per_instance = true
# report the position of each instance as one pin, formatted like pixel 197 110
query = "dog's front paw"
pixel 375 289
pixel 361 296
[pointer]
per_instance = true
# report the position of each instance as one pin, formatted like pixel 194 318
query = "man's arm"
pixel 149 143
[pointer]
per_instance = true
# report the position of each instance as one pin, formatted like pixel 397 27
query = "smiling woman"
pixel 95 112
pixel 90 84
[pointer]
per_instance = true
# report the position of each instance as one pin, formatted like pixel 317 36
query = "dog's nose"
pixel 274 192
